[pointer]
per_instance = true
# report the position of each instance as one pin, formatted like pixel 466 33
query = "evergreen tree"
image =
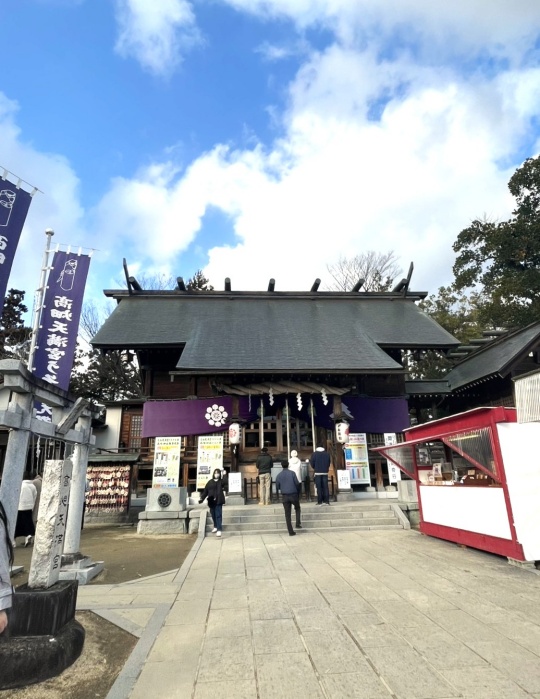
pixel 14 334
pixel 199 282
pixel 103 378
pixel 503 259
pixel 456 312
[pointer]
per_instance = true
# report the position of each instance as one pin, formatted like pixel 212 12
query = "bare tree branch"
pixel 377 269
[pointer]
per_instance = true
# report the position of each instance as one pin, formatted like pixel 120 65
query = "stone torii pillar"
pixel 77 495
pixel 25 389
pixel 17 416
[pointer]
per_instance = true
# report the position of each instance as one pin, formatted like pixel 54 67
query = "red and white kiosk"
pixel 478 480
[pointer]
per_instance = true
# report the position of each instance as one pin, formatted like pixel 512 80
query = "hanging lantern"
pixel 342 432
pixel 235 433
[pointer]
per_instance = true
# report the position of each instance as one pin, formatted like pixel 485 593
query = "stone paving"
pixel 367 615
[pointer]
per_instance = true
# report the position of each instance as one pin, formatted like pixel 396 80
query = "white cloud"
pixel 157 34
pixel 395 153
pixel 507 29
pixel 339 181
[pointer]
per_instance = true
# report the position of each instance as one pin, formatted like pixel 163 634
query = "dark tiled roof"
pixel 312 332
pixel 430 387
pixel 495 358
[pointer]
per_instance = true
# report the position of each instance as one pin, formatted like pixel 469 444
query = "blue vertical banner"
pixel 14 205
pixel 59 324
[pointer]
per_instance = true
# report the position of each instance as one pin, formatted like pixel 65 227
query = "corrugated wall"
pixel 527 390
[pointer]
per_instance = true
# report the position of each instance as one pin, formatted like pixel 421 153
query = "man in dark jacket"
pixel 320 462
pixel 288 483
pixel 264 467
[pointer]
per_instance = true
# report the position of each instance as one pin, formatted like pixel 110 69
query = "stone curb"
pixel 125 682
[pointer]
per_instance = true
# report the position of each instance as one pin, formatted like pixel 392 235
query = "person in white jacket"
pixel 295 465
pixel 27 499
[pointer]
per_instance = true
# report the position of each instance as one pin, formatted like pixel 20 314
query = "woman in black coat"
pixel 214 490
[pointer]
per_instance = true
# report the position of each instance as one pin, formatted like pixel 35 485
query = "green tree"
pixel 502 259
pixel 97 376
pixel 14 334
pixel 103 378
pixel 456 312
pixel 199 282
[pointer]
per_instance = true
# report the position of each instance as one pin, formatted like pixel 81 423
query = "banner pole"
pixel 38 305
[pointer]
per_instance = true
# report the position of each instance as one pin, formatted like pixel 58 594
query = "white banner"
pixel 209 457
pixel 235 483
pixel 344 480
pixel 166 473
pixel 357 459
pixel 394 474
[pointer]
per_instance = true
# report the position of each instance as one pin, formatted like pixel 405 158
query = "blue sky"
pixel 264 138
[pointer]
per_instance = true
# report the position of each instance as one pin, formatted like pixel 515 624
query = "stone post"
pixel 16 454
pixel 51 528
pixel 77 495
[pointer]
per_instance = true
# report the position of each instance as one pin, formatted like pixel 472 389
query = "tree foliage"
pixel 458 313
pixel 103 378
pixel 14 334
pixel 199 282
pixel 502 259
pixel 377 269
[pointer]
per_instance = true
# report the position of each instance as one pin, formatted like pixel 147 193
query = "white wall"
pixel 110 437
pixel 481 510
pixel 520 447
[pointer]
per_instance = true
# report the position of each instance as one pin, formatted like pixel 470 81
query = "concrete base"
pixel 412 512
pixel 15 570
pixel 82 569
pixel 376 495
pixel 175 514
pixel 236 499
pixel 162 526
pixel 528 565
pixel 345 495
pixel 194 524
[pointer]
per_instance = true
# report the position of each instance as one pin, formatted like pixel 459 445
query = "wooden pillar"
pixel 288 417
pixel 379 482
pixel 261 426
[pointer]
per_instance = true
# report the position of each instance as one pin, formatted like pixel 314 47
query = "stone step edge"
pixel 267 532
pixel 311 516
pixel 367 521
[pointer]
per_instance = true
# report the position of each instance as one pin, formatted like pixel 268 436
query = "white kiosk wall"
pixel 520 449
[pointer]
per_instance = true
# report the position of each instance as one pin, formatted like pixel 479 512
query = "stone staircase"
pixel 345 516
